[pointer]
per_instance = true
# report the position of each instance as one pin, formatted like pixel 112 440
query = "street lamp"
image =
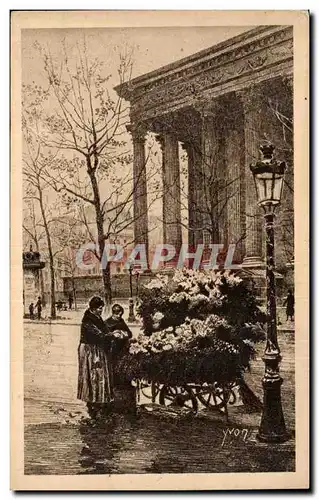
pixel 268 176
pixel 131 316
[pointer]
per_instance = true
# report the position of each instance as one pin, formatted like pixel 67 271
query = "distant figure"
pixel 31 310
pixel 290 305
pixel 38 307
pixel 70 301
pixel 59 305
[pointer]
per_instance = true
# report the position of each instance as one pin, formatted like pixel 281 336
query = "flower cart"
pixel 199 331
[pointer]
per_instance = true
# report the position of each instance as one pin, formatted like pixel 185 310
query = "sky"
pixel 153 47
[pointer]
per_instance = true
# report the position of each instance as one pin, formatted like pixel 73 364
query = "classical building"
pixel 220 104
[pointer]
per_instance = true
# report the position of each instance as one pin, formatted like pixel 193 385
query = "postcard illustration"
pixel 159 250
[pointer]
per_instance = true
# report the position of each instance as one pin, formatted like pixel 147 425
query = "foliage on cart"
pixel 173 368
pixel 197 327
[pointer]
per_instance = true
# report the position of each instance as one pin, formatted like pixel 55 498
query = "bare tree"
pixel 85 125
pixel 280 106
pixel 36 188
pixel 34 233
pixel 69 235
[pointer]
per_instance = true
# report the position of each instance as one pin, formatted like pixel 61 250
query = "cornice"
pixel 210 59
pixel 209 86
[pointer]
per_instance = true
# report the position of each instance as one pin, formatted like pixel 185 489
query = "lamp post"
pixel 268 176
pixel 131 315
pixel 137 273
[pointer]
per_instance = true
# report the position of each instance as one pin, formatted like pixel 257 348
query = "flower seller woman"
pixel 95 379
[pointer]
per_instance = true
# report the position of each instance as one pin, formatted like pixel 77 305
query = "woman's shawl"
pixel 117 324
pixel 94 331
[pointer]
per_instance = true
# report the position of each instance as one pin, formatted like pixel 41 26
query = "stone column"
pixel 235 179
pixel 140 207
pixel 210 170
pixel 195 223
pixel 252 110
pixel 172 230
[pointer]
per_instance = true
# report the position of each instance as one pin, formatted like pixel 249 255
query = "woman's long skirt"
pixel 95 381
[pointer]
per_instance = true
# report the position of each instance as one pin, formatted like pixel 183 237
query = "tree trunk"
pixel 74 293
pixel 42 287
pixel 41 281
pixel 106 276
pixel 51 258
pixel 99 218
pixel 37 247
pixel 52 287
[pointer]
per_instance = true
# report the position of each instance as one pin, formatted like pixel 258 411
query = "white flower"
pixel 198 300
pixel 119 334
pixel 194 289
pixel 167 347
pixel 164 279
pixel 199 327
pixel 213 321
pixel 136 349
pixel 154 284
pixel 187 332
pixel 170 329
pixel 156 339
pixel 158 316
pixel 232 280
pixel 196 323
pixel 170 339
pixel 133 349
pixel 155 350
pixel 178 297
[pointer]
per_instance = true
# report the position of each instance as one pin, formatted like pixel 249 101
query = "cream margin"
pixel 88 19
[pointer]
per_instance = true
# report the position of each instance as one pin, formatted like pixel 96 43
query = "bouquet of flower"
pixel 190 293
pixel 120 334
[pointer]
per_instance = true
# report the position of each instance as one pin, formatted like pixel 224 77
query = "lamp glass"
pixel 269 188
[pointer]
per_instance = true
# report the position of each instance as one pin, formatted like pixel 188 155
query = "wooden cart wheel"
pixel 223 396
pixel 205 394
pixel 182 397
pixel 212 396
pixel 149 389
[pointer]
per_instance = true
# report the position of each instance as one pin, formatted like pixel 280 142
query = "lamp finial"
pixel 267 151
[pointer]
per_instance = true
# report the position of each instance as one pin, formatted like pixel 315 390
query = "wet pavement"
pixel 60 440
pixel 149 445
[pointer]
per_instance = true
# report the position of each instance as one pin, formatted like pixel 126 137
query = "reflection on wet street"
pixel 59 439
pixel 147 445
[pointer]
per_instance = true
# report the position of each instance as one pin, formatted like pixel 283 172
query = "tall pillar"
pixel 172 230
pixel 140 207
pixel 252 110
pixel 195 223
pixel 210 170
pixel 235 178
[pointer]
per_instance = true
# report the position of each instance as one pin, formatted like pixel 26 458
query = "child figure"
pixel 121 333
pixel 31 310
